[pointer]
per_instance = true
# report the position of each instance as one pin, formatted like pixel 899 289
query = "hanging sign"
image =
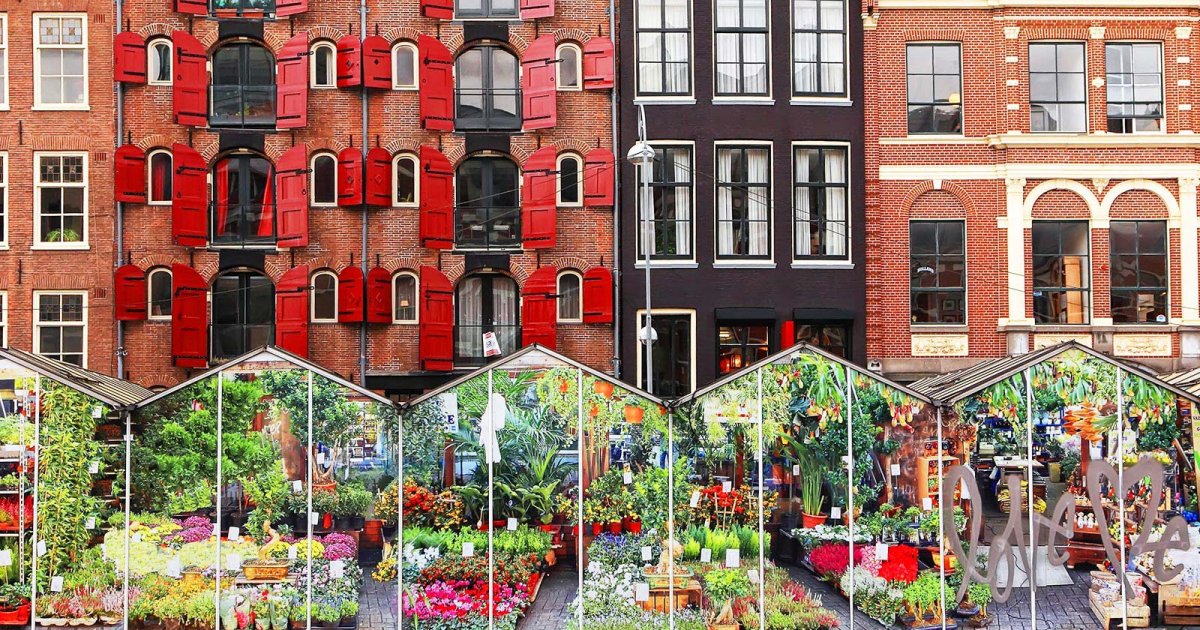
pixel 449 412
pixel 491 347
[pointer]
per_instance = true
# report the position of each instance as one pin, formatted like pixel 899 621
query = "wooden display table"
pixel 660 598
pixel 1086 546
pixel 1107 612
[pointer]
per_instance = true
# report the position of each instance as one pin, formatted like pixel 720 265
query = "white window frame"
pixel 37 64
pixel 734 260
pixel 4 78
pixel 578 67
pixel 37 200
pixel 3 200
pixel 641 358
pixel 150 45
pixel 415 69
pixel 3 319
pixel 312 180
pixel 1162 69
pixel 332 68
pixel 416 180
pixel 37 323
pixel 150 176
pixel 312 302
pixel 568 155
pixel 846 262
pixel 416 295
pixel 150 293
pixel 558 292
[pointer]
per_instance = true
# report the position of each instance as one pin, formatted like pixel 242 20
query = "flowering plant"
pixel 900 566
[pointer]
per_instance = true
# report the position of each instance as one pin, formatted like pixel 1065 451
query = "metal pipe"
pixel 120 218
pixel 362 326
pixel 614 113
pixel 647 168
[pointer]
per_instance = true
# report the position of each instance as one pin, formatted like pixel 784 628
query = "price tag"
pixel 97 411
pixel 641 592
pixel 835 512
pixel 314 517
pixel 234 533
pixel 41 548
pixel 56 584
pixel 297 486
pixel 233 561
pixel 881 551
pixel 5 558
pixel 293 552
pixel 137 538
pixel 337 569
pixel 927 504
pixel 627 477
pixel 20 393
pixel 706 555
pixel 753 575
pixel 321 458
pixel 647 554
pixel 468 549
pixel 895 470
pixel 695 500
pixel 795 469
pixel 733 558
pixel 93 467
pixel 726 486
pixel 90 523
pixel 174 567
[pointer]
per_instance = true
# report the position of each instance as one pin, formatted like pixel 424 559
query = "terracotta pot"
pixel 812 520
pixel 634 414
pixel 614 527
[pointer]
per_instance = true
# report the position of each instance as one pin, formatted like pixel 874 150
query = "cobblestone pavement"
pixel 376 604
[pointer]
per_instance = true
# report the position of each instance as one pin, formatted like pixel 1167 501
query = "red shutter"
pixel 437 84
pixel 598 296
pixel 291 80
pixel 598 175
pixel 189 208
pixel 787 335
pixel 538 92
pixel 379 296
pixel 193 7
pixel 377 63
pixel 438 10
pixel 350 295
pixel 598 65
pixel 129 164
pixel 129 293
pixel 190 86
pixel 290 7
pixel 534 9
pixel 291 197
pixel 291 311
pixel 129 58
pixel 349 62
pixel 436 344
pixel 189 318
pixel 539 308
pixel 436 228
pixel 538 200
pixel 350 177
pixel 379 178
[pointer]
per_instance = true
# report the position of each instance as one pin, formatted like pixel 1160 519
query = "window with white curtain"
pixel 664 47
pixel 820 203
pixel 485 303
pixel 743 202
pixel 671 189
pixel 741 47
pixel 818 47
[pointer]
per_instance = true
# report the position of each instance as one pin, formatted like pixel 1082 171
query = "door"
pixel 243 312
pixel 243 201
pixel 485 303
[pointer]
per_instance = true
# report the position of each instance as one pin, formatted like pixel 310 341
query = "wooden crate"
pixel 1107 613
pixel 1181 615
pixel 1172 595
pixel 661 601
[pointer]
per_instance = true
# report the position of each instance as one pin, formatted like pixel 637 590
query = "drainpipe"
pixel 362 327
pixel 120 241
pixel 612 24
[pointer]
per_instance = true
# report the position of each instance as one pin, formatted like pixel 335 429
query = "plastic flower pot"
pixel 633 526
pixel 15 617
pixel 597 528
pixel 614 527
pixel 549 529
pixel 812 520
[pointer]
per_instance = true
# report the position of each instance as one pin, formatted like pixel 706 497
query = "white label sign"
pixel 90 523
pixel 174 567
pixel 628 477
pixel 450 409
pixel 695 501
pixel 795 469
pixel 468 549
pixel 512 524
pixel 56 584
pixel 706 555
pixel 297 486
pixel 314 517
pixel 293 552
pixel 137 538
pixel 895 470
pixel 491 347
pixel 234 533
pixel 93 467
pixel 733 558
pixel 641 592
pixel 5 558
pixel 835 512
pixel 97 411
pixel 753 575
pixel 216 531
pixel 726 486
pixel 927 504
pixel 881 551
pixel 233 561
pixel 337 569
pixel 321 458
pixel 647 554
pixel 41 548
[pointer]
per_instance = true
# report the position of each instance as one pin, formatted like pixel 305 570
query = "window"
pixel 485 8
pixel 60 326
pixel 3 319
pixel 487 91
pixel 673 358
pixel 832 337
pixel 1139 271
pixel 3 61
pixel 1061 281
pixel 158 62
pixel 743 202
pixel 934 89
pixel 159 293
pixel 570 180
pixel 404 180
pixel 568 72
pixel 741 48
pixel 488 209
pixel 404 66
pixel 818 48
pixel 243 313
pixel 570 302
pixel 1135 87
pixel 1057 87
pixel 937 271
pixel 3 200
pixel 740 344
pixel 243 201
pixel 404 298
pixel 243 86
pixel 60 61
pixel 159 177
pixel 820 203
pixel 323 69
pixel 249 8
pixel 671 188
pixel 664 47
pixel 60 200
pixel 485 303
pixel 324 296
pixel 324 180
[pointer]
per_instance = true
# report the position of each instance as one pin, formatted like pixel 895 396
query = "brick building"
pixel 1031 178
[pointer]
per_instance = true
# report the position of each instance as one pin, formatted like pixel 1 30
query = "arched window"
pixel 159 175
pixel 158 293
pixel 243 313
pixel 243 86
pixel 404 298
pixel 570 180
pixel 487 86
pixel 488 207
pixel 405 183
pixel 570 300
pixel 404 66
pixel 323 299
pixel 568 71
pixel 243 208
pixel 158 62
pixel 323 65
pixel 485 302
pixel 324 180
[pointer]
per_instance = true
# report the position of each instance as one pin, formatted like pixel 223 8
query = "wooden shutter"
pixel 598 64
pixel 350 295
pixel 539 200
pixel 291 79
pixel 189 318
pixel 598 296
pixel 129 58
pixel 129 166
pixel 538 92
pixel 378 185
pixel 436 228
pixel 290 7
pixel 534 9
pixel 291 311
pixel 129 293
pixel 436 330
pixel 192 7
pixel 379 296
pixel 598 178
pixel 350 177
pixel 539 308
pixel 377 63
pixel 349 62
pixel 189 208
pixel 291 197
pixel 189 89
pixel 438 9
pixel 436 97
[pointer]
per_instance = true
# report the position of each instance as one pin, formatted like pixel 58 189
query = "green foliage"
pixel 352 500
pixel 64 484
pixel 1157 436
pixel 269 490
pixel 724 585
pixel 424 441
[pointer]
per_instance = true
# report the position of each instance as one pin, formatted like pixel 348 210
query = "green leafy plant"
pixel 64 483
pixel 334 415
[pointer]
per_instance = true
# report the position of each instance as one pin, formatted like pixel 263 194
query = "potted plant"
pixel 352 503
pixel 14 604
pixel 979 595
pixel 812 494
pixel 325 503
pixel 722 587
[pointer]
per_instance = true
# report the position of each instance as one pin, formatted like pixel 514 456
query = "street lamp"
pixel 641 155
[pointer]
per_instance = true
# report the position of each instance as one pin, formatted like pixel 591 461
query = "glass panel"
pixel 20 417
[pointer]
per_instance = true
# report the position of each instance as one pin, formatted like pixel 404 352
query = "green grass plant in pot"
pixel 812 491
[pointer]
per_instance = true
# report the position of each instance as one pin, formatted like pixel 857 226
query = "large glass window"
pixel 740 344
pixel 60 61
pixel 822 214
pixel 673 356
pixel 568 72
pixel 1135 87
pixel 60 326
pixel 570 180
pixel 60 199
pixel 1061 272
pixel 818 47
pixel 1057 87
pixel 324 180
pixel 832 337
pixel 743 202
pixel 485 303
pixel 1139 271
pixel 158 293
pixel 742 48
pixel 243 86
pixel 934 88
pixel 937 271
pixel 487 90
pixel 488 212
pixel 664 47
pixel 323 67
pixel 243 313
pixel 248 8
pixel 404 180
pixel 243 201
pixel 404 66
pixel 570 303
pixel 671 189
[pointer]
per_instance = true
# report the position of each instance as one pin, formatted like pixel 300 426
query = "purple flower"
pixel 196 534
pixel 196 521
pixel 338 538
pixel 338 551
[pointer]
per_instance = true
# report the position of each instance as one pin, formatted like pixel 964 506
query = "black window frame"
pixel 244 238
pixel 933 75
pixel 1126 123
pixel 240 333
pixel 822 201
pixel 743 344
pixel 220 93
pixel 659 189
pixel 740 33
pixel 844 327
pixel 742 184
pixel 668 354
pixel 1116 265
pixel 243 8
pixel 486 11
pixel 492 214
pixel 934 261
pixel 820 32
pixel 487 308
pixel 488 119
pixel 1041 291
pixel 1058 102
pixel 662 63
